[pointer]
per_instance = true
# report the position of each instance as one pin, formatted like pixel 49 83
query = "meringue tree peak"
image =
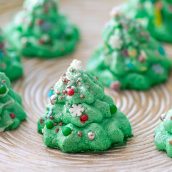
pixel 34 4
pixel 75 65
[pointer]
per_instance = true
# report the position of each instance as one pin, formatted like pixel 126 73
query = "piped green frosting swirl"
pixel 80 117
pixel 41 31
pixel 163 134
pixel 129 58
pixel 9 60
pixel 11 110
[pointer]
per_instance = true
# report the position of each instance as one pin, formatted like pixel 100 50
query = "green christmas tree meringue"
pixel 11 110
pixel 41 31
pixel 9 61
pixel 155 14
pixel 129 57
pixel 80 117
pixel 163 134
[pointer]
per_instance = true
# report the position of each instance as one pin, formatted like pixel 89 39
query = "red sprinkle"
pixel 84 118
pixel 55 124
pixel 46 9
pixel 3 81
pixel 51 117
pixel 40 22
pixel 70 92
pixel 170 142
pixel 57 130
pixel 65 80
pixel 1 45
pixel 12 115
pixel 64 91
pixel 60 124
pixel 41 41
pixel 115 86
pixel 142 59
pixel 57 92
pixel 41 121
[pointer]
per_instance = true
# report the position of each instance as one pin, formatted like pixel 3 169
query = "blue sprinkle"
pixel 130 65
pixel 46 26
pixel 161 50
pixel 50 92
pixel 1 55
pixel 153 1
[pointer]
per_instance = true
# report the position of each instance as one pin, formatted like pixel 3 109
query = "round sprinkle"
pixel 70 92
pixel 115 86
pixel 91 135
pixel 113 109
pixel 39 22
pixel 49 124
pixel 61 123
pixel 72 70
pixel 57 130
pixel 3 89
pixel 161 50
pixel 24 40
pixel 12 115
pixel 3 81
pixel 66 131
pixel 82 96
pixel 61 97
pixel 84 118
pixel 1 45
pixel 41 41
pixel 41 120
pixel 55 124
pixel 142 59
pixel 125 53
pixel 79 133
pixel 51 117
pixel 53 99
pixel 65 80
pixel 170 142
pixel 64 91
pixel 57 92
pixel 50 92
pixel 162 117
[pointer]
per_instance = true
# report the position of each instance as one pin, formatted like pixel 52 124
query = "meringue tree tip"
pixel 76 64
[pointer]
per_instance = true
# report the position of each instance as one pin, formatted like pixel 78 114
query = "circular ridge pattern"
pixel 142 108
pixel 23 149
